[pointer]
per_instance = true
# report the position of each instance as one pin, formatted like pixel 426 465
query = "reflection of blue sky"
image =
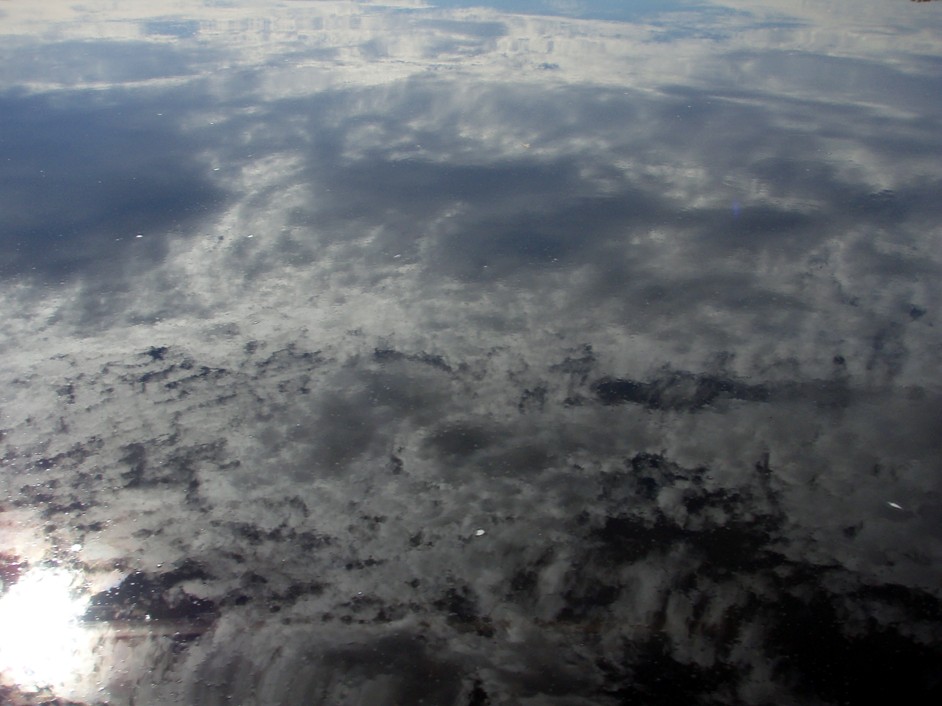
pixel 473 361
pixel 107 63
pixel 83 180
pixel 583 9
pixel 172 27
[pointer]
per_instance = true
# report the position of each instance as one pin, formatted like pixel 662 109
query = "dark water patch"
pixel 676 391
pixel 412 672
pixel 578 365
pixel 460 606
pixel 158 352
pixel 649 674
pixel 460 440
pixel 833 638
pixel 161 463
pixel 478 695
pixel 388 355
pixel 727 548
pixel 820 658
pixel 144 597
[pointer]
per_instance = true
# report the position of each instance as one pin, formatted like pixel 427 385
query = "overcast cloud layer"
pixel 389 352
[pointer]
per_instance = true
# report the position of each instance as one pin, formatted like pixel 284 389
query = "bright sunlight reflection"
pixel 42 643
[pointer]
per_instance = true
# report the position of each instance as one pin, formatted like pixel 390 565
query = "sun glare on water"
pixel 42 643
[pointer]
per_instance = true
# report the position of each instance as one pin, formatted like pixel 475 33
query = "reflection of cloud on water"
pixel 582 526
pixel 490 378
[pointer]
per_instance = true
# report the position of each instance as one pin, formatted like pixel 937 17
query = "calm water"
pixel 545 353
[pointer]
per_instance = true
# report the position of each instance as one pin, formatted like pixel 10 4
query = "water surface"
pixel 558 353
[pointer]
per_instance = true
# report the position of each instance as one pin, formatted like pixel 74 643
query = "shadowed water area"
pixel 526 353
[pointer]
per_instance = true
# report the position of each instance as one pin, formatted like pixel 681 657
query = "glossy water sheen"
pixel 546 353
